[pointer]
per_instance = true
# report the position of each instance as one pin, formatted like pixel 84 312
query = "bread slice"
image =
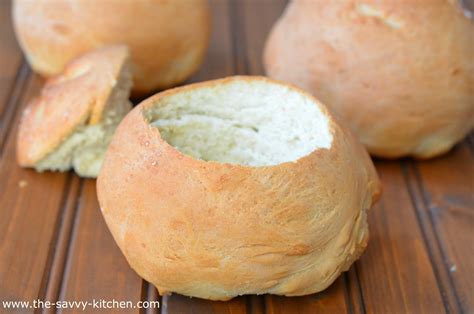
pixel 236 186
pixel 70 124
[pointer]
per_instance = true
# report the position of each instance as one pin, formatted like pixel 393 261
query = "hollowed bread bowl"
pixel 236 186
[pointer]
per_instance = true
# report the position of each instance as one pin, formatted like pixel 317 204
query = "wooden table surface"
pixel 54 244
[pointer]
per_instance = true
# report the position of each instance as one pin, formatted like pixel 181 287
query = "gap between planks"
pixel 431 239
pixel 149 293
pixel 61 243
pixel 355 296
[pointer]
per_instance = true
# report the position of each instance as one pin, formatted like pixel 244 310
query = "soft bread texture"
pixel 224 124
pixel 70 124
pixel 224 214
pixel 167 39
pixel 400 73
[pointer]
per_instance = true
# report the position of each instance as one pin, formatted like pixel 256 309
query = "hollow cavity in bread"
pixel 249 123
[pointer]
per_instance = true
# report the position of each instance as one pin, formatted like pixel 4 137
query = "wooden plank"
pixel 11 103
pixel 219 61
pixel 180 304
pixel 355 300
pixel 445 188
pixel 445 284
pixel 30 206
pixel 13 72
pixel 151 295
pixel 10 55
pixel 331 300
pixel 95 267
pixel 396 274
pixel 53 276
pixel 255 304
pixel 254 20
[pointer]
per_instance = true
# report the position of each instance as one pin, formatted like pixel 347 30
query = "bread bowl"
pixel 167 39
pixel 71 122
pixel 236 186
pixel 400 73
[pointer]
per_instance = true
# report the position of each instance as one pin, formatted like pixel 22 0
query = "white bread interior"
pixel 255 124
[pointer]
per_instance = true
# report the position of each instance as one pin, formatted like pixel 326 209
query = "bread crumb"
pixel 22 183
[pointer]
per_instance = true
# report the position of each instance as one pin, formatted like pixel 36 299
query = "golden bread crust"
pixel 167 39
pixel 399 73
pixel 215 230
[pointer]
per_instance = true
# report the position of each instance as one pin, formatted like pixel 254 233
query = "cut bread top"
pixel 78 96
pixel 246 121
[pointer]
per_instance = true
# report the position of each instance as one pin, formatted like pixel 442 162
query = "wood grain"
pixel 13 72
pixel 95 268
pixel 30 205
pixel 180 304
pixel 253 21
pixel 395 272
pixel 219 61
pixel 10 56
pixel 446 195
pixel 331 300
pixel 53 277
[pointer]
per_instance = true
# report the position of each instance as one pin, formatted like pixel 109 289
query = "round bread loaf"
pixel 236 186
pixel 167 39
pixel 400 73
